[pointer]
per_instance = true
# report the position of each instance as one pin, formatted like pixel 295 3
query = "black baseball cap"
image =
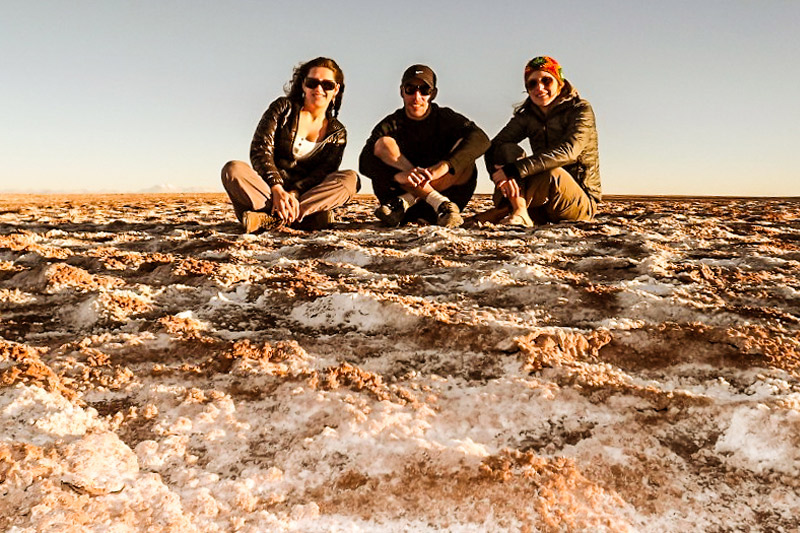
pixel 420 72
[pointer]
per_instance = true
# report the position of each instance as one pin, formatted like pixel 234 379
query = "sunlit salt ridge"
pixel 637 373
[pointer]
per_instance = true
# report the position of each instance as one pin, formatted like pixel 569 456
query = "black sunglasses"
pixel 313 83
pixel 410 89
pixel 546 81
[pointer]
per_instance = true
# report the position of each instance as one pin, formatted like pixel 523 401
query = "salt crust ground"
pixel 160 371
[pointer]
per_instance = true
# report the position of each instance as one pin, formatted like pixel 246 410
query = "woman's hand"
pixel 507 186
pixel 285 204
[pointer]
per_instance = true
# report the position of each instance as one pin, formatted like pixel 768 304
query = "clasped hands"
pixel 285 204
pixel 416 177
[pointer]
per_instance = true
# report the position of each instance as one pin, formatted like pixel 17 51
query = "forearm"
pixel 471 147
pixel 505 145
pixel 439 170
pixel 263 162
pixel 563 155
pixel 566 150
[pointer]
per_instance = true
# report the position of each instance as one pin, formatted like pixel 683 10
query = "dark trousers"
pixel 386 189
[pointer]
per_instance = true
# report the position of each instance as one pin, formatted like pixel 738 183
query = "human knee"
pixel 385 146
pixel 560 183
pixel 232 170
pixel 347 180
pixel 350 181
pixel 508 153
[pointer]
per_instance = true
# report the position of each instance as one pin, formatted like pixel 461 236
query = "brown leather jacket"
pixel 566 137
pixel 271 150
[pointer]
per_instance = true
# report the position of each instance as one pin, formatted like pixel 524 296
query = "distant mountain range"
pixel 155 189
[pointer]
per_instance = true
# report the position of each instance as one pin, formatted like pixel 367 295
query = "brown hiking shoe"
pixel 253 221
pixel 319 220
pixel 324 219
pixel 392 213
pixel 448 215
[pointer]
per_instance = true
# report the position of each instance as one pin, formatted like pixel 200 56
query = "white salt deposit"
pixel 30 414
pixel 352 310
pixel 762 439
pixel 634 374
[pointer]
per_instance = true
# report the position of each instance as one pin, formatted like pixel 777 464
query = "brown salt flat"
pixel 639 372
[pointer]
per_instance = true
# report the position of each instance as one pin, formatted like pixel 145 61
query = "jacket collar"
pixel 334 126
pixel 568 92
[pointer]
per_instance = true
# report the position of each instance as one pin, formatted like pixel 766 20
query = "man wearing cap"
pixel 421 158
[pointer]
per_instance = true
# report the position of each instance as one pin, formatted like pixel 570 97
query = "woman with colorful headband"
pixel 295 152
pixel 560 179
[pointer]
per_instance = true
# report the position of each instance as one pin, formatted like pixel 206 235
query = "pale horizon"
pixel 692 99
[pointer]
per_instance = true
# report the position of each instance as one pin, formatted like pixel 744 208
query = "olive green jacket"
pixel 566 137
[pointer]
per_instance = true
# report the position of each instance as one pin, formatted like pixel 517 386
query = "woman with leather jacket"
pixel 295 155
pixel 560 180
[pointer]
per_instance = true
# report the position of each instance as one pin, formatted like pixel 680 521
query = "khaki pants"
pixel 248 192
pixel 552 196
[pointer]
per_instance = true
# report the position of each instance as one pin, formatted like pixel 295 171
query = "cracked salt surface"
pixel 420 379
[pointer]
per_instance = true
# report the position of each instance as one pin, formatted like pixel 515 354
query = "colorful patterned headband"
pixel 547 64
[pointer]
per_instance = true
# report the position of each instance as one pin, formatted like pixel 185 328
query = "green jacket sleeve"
pixel 566 152
pixel 514 132
pixel 472 144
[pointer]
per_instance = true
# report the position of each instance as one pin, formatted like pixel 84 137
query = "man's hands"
pixel 419 177
pixel 409 176
pixel 509 187
pixel 416 177
pixel 285 204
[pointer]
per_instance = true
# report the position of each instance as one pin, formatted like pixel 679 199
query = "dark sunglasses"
pixel 546 81
pixel 313 83
pixel 410 89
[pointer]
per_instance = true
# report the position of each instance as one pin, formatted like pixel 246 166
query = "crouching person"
pixel 296 152
pixel 560 179
pixel 421 158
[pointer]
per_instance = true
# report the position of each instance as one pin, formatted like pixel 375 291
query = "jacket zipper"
pixel 296 124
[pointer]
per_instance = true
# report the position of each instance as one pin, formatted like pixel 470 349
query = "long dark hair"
pixel 294 90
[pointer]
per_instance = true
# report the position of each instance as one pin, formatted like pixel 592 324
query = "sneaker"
pixel 253 221
pixel 448 215
pixel 392 213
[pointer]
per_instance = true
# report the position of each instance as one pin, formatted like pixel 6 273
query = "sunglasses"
pixel 546 81
pixel 410 89
pixel 313 83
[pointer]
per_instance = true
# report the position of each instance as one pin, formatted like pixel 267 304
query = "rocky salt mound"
pixel 160 371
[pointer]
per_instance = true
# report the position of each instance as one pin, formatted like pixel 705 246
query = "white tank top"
pixel 303 148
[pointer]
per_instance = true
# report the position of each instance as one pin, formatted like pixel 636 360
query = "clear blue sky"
pixel 691 97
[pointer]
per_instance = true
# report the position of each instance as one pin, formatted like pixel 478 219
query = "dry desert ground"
pixel 161 371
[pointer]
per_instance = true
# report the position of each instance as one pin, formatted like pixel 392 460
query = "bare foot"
pixel 516 219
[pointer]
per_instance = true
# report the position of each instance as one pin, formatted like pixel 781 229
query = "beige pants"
pixel 552 195
pixel 248 192
pixel 557 196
